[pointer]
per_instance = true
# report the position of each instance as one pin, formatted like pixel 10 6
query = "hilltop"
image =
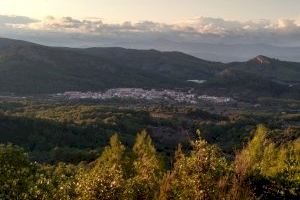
pixel 28 68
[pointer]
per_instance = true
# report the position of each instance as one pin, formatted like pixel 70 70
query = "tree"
pixel 17 173
pixel 105 179
pixel 144 179
pixel 56 182
pixel 196 176
pixel 273 170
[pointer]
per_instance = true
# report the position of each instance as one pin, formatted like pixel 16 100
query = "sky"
pixel 167 11
pixel 197 27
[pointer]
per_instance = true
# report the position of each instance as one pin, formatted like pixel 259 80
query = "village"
pixel 150 95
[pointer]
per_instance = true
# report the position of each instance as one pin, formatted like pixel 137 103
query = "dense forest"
pixel 261 170
pixel 75 131
pixel 87 150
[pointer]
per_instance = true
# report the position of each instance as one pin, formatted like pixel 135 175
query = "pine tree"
pixel 195 176
pixel 106 178
pixel 272 169
pixel 147 169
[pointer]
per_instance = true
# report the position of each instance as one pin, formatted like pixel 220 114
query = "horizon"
pixel 162 51
pixel 205 29
pixel 149 99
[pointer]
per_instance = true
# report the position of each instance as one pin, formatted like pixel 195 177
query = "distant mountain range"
pixel 208 50
pixel 219 51
pixel 28 68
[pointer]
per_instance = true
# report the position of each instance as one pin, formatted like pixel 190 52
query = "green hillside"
pixel 27 68
pixel 245 85
pixel 270 68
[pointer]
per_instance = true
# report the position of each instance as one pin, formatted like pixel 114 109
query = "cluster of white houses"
pixel 153 94
pixel 215 99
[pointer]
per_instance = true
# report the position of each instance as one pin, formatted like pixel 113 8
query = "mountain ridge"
pixel 28 68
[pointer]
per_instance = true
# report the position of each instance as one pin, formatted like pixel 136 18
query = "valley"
pixel 66 114
pixel 78 124
pixel 149 100
pixel 89 94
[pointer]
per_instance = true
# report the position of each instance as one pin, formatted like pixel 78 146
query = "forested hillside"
pixel 27 68
pixel 262 170
pixel 76 131
pixel 34 69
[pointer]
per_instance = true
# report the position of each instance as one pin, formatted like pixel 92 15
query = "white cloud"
pixel 185 36
pixel 11 19
pixel 202 25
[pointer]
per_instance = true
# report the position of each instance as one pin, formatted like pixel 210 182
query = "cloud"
pixel 187 35
pixel 202 25
pixel 198 28
pixel 288 24
pixel 11 19
pixel 226 27
pixel 71 25
pixel 65 24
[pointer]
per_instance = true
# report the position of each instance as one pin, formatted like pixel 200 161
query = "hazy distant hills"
pixel 27 68
pixel 232 52
pixel 205 49
pixel 30 68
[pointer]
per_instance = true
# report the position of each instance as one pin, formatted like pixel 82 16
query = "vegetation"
pixel 72 132
pixel 261 170
pixel 53 149
pixel 62 152
pixel 27 69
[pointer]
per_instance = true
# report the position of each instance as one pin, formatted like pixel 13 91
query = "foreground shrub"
pixel 17 173
pixel 273 171
pixel 196 176
pixel 144 179
pixel 105 180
